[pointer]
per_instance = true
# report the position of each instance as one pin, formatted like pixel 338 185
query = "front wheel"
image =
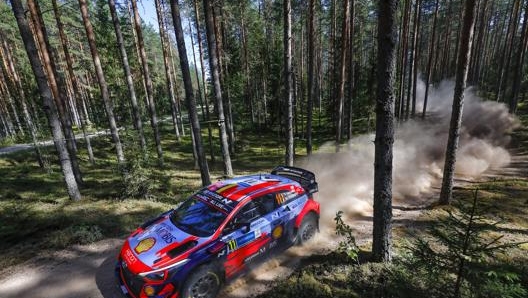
pixel 203 283
pixel 307 229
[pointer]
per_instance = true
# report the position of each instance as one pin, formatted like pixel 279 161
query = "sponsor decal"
pixel 280 198
pixel 253 256
pixel 232 245
pixel 277 232
pixel 215 200
pixel 275 215
pixel 130 257
pixel 145 244
pixel 164 234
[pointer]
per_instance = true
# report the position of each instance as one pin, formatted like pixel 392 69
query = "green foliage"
pixel 77 234
pixel 459 254
pixel 348 245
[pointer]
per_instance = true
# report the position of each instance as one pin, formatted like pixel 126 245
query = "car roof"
pixel 239 188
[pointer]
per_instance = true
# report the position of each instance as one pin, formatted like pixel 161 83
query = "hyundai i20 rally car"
pixel 216 233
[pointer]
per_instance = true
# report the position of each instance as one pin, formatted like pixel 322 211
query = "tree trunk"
pixel 73 77
pixel 458 102
pixel 204 80
pixel 342 72
pixel 136 115
pixel 46 95
pixel 57 85
pixel 288 81
pixel 220 35
pixel 203 98
pixel 165 43
pixel 311 75
pixel 215 75
pixel 411 64
pixel 414 55
pixel 189 93
pixel 403 60
pixel 519 63
pixel 430 59
pixel 102 81
pixel 148 81
pixel 11 76
pixel 351 70
pixel 387 35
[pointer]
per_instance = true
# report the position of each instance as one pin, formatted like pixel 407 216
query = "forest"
pixel 412 114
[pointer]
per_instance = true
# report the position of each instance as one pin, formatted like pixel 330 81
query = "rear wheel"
pixel 205 282
pixel 307 229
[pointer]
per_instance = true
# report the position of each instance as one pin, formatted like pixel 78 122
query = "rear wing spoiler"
pixel 304 177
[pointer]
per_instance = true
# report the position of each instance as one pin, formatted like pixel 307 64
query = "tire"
pixel 307 229
pixel 204 282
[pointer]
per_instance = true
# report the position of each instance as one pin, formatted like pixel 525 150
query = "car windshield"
pixel 197 217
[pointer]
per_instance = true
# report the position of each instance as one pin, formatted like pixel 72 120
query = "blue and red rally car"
pixel 217 232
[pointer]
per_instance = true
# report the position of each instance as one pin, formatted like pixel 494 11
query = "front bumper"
pixel 132 285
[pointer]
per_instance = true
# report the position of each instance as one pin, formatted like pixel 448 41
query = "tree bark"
pixel 403 60
pixel 148 81
pixel 165 43
pixel 47 98
pixel 102 81
pixel 311 75
pixel 136 115
pixel 57 85
pixel 215 75
pixel 11 76
pixel 430 59
pixel 458 101
pixel 342 72
pixel 189 94
pixel 519 63
pixel 73 77
pixel 204 80
pixel 387 36
pixel 288 81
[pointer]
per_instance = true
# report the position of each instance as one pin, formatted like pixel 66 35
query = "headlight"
pixel 159 274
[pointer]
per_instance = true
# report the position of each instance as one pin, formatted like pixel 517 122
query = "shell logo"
pixel 277 232
pixel 144 245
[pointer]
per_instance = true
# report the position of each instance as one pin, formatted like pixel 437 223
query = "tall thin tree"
pixel 47 98
pixel 189 93
pixel 165 43
pixel 75 84
pixel 109 108
pixel 311 75
pixel 458 101
pixel 215 74
pixel 387 36
pixel 148 81
pixel 136 115
pixel 288 81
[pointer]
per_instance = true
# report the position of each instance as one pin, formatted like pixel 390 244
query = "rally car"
pixel 216 234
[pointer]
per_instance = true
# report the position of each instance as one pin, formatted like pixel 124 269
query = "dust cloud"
pixel 346 178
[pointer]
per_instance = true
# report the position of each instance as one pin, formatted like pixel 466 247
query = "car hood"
pixel 157 246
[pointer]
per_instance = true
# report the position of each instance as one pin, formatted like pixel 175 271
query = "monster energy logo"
pixel 232 245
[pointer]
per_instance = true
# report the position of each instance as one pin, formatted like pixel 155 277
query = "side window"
pixel 248 213
pixel 267 203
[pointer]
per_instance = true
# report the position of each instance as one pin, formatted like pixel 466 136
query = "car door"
pixel 245 237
